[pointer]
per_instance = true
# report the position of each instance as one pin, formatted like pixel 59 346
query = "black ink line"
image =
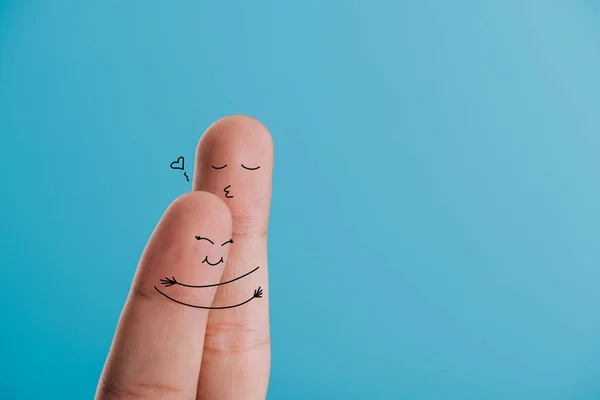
pixel 175 164
pixel 257 295
pixel 219 167
pixel 211 264
pixel 186 177
pixel 227 192
pixel 229 241
pixel 251 169
pixel 203 238
pixel 171 281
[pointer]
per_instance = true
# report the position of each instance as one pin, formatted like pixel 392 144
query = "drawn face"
pixel 235 163
pixel 227 189
pixel 214 262
pixel 212 259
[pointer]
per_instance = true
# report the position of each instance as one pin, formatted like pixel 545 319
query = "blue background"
pixel 435 221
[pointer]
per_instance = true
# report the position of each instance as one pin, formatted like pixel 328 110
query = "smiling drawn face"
pixel 213 259
pixel 206 260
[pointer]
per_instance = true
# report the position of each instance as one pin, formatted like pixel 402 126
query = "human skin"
pixel 166 350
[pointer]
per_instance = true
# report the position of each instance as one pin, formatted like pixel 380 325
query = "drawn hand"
pixel 218 346
pixel 168 281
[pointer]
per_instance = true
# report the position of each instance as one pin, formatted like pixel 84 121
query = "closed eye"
pixel 203 238
pixel 250 169
pixel 229 241
pixel 221 167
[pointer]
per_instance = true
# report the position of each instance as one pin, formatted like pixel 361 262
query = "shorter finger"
pixel 157 350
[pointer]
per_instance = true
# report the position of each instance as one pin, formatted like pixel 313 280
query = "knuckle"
pixel 235 338
pixel 244 224
pixel 108 389
pixel 141 293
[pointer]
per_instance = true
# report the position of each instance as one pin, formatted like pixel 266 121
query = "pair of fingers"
pixel 196 322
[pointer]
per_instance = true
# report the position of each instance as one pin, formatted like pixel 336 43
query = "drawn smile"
pixel 211 264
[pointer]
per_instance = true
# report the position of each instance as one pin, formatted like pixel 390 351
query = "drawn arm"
pixel 172 281
pixel 257 295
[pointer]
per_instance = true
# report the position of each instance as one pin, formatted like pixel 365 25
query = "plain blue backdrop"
pixel 435 224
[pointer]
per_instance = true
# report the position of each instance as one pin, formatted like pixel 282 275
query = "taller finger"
pixel 234 160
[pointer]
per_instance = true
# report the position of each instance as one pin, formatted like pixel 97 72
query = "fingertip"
pixel 250 133
pixel 234 160
pixel 191 207
pixel 174 246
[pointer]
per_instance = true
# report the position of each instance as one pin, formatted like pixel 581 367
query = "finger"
pixel 234 160
pixel 158 345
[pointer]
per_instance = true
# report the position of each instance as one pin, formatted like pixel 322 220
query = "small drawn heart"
pixel 176 165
